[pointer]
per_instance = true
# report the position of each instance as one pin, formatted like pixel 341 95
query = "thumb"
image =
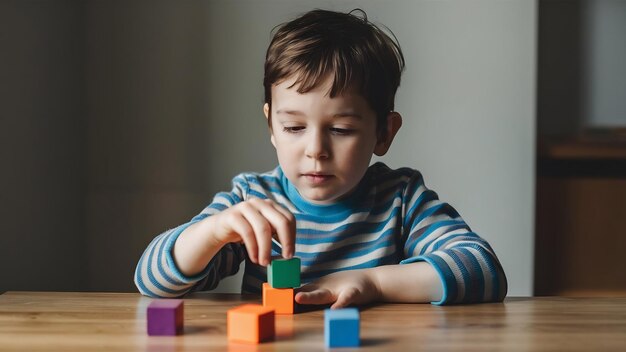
pixel 321 296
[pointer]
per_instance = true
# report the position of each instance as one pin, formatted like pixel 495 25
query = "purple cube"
pixel 165 317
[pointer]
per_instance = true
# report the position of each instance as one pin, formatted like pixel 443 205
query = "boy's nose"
pixel 316 146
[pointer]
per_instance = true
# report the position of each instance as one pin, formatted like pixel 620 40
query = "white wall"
pixel 467 98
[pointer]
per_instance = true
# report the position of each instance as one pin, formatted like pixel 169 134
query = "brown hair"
pixel 353 50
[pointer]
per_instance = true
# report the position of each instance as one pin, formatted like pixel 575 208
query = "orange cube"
pixel 281 299
pixel 251 323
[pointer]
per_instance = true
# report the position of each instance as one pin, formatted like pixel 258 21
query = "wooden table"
pixel 35 321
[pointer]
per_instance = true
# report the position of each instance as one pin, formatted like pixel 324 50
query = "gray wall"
pixel 41 146
pixel 171 111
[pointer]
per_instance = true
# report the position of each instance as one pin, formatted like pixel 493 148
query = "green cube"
pixel 284 273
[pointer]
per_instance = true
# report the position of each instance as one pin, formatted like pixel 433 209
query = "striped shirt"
pixel 390 218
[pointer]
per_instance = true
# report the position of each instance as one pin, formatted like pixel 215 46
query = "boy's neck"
pixel 346 203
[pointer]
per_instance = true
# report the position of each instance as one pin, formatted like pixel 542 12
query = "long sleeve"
pixel 434 232
pixel 157 275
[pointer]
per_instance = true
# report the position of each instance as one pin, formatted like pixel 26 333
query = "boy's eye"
pixel 292 129
pixel 341 131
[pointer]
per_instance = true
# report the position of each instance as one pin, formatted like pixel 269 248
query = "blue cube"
pixel 341 327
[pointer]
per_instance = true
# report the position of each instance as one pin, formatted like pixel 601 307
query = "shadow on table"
pixel 199 329
pixel 374 341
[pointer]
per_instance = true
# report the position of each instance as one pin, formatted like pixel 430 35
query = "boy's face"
pixel 324 145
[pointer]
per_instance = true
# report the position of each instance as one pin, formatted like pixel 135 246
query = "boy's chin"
pixel 323 199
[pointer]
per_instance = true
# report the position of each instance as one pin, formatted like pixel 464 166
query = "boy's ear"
pixel 266 111
pixel 394 122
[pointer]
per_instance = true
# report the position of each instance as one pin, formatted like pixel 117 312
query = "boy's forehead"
pixel 290 87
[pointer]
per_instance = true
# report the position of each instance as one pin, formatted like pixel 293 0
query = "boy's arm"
pixel 435 233
pixel 407 283
pixel 158 274
pixel 198 254
pixel 445 263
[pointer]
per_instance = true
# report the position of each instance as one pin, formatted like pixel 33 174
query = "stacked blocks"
pixel 341 327
pixel 254 323
pixel 251 323
pixel 283 275
pixel 165 317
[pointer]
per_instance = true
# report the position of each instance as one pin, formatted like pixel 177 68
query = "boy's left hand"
pixel 341 289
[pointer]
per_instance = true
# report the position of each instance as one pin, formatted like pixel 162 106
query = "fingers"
pixel 321 296
pixel 262 232
pixel 241 226
pixel 345 298
pixel 265 217
pixel 284 223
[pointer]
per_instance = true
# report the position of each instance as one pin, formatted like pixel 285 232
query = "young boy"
pixel 363 233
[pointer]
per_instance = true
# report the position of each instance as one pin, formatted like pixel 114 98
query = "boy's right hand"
pixel 254 222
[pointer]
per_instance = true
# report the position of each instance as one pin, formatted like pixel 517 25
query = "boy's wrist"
pixel 373 275
pixel 208 229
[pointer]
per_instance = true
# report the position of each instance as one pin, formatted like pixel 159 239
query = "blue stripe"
pixel 427 213
pixel 236 199
pixel 412 243
pixel 160 268
pixel 487 259
pixel 350 251
pixel 344 231
pixel 423 198
pixel 257 194
pixel 138 277
pixel 227 197
pixel 273 186
pixel 478 279
pixel 276 250
pixel 241 182
pixel 143 289
pixel 351 255
pixel 448 278
pixel 153 280
pixel 218 206
pixel 386 260
pixel 365 206
pixel 441 240
pixel 199 217
pixel 464 274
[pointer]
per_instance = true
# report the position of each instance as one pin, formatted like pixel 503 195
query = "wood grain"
pixel 38 321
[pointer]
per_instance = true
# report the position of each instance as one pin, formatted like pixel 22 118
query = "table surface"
pixel 72 321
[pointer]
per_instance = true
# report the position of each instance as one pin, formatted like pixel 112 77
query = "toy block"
pixel 250 323
pixel 284 273
pixel 281 299
pixel 341 327
pixel 165 317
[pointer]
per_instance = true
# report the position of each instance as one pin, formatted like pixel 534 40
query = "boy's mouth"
pixel 317 178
